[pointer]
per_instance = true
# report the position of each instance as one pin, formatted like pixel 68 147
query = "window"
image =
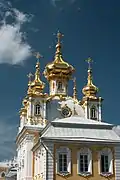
pixel 84 162
pixel 63 163
pixel 37 109
pixel 105 162
pixel 22 163
pixel 93 113
pixel 59 86
pixel 2 174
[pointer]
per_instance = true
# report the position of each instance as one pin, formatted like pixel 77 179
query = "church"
pixel 61 137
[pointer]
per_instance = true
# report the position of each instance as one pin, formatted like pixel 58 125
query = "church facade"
pixel 62 137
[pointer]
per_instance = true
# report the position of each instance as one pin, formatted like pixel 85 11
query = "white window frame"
pixel 108 152
pixel 84 151
pixel 67 151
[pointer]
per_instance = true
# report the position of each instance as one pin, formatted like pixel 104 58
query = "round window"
pixel 66 112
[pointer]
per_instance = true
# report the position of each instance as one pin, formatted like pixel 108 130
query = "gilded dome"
pixel 90 90
pixel 58 67
pixel 36 86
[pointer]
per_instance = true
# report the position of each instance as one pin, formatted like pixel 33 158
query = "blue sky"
pixel 90 28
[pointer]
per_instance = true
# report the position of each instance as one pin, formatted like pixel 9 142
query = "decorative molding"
pixel 106 174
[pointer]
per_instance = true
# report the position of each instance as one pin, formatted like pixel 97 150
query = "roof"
pixel 80 120
pixel 80 129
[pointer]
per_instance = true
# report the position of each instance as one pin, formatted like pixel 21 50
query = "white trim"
pixel 106 151
pixel 88 152
pixel 67 151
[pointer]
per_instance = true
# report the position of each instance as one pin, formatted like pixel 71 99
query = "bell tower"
pixel 91 103
pixel 32 121
pixel 58 72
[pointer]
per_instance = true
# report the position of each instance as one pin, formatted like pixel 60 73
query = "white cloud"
pixel 13 48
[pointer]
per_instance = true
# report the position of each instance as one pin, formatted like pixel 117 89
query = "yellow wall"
pixel 74 176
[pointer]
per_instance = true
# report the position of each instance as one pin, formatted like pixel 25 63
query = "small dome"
pixel 36 86
pixel 90 90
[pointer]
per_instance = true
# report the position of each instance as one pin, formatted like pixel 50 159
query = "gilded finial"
pixel 58 46
pixel 89 61
pixel 59 36
pixel 37 73
pixel 37 55
pixel 74 89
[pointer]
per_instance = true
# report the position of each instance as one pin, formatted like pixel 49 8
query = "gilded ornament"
pixel 75 90
pixel 66 111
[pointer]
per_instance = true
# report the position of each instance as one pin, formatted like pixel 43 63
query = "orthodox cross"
pixel 89 61
pixel 37 55
pixel 59 36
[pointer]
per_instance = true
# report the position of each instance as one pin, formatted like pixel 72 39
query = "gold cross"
pixel 59 36
pixel 89 61
pixel 37 55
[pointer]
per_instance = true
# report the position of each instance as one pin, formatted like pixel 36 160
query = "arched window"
pixel 59 86
pixel 93 112
pixel 37 109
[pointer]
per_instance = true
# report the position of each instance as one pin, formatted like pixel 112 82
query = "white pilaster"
pixel 50 161
pixel 28 157
pixel 117 163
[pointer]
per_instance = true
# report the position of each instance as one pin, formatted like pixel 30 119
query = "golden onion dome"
pixel 58 67
pixel 36 86
pixel 37 81
pixel 90 90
